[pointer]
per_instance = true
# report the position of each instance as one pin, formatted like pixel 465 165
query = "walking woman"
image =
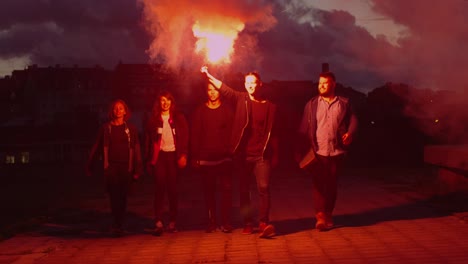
pixel 122 162
pixel 166 146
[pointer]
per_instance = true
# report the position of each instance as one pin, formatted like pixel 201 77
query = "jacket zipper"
pixel 246 123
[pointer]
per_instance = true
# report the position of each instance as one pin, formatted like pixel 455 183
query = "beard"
pixel 326 93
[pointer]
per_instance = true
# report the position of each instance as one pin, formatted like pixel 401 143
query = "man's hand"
pixel 182 161
pixel 347 139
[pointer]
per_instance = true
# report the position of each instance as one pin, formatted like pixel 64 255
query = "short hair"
pixel 256 74
pixel 328 75
pixel 110 114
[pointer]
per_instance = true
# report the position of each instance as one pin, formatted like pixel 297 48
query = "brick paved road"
pixel 375 224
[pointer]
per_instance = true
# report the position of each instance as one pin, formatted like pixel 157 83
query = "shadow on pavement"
pixel 53 198
pixel 434 207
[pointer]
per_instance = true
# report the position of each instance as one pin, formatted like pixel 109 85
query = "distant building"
pixel 52 110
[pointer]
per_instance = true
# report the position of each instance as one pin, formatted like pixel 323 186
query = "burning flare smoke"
pixel 204 31
pixel 217 40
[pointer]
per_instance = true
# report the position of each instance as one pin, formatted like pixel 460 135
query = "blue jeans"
pixel 261 169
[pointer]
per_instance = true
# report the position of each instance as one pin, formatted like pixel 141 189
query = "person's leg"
pixel 172 188
pixel 245 170
pixel 262 172
pixel 160 181
pixel 123 185
pixel 319 173
pixel 112 186
pixel 334 167
pixel 208 175
pixel 225 181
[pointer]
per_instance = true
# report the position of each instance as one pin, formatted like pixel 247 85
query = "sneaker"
pixel 248 229
pixel 172 228
pixel 328 222
pixel 227 228
pixel 159 229
pixel 211 228
pixel 321 224
pixel 266 230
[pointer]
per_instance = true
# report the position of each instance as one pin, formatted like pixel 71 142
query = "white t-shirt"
pixel 167 139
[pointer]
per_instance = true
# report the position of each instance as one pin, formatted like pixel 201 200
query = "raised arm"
pixel 216 83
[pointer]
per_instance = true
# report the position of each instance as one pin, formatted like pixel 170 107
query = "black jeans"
pixel 261 169
pixel 165 175
pixel 325 172
pixel 211 176
pixel 118 181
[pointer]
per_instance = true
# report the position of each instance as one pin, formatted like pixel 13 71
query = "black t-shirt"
pixel 256 129
pixel 118 144
pixel 215 133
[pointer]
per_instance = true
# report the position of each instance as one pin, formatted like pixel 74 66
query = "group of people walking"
pixel 242 134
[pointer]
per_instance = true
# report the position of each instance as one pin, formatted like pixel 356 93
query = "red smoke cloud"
pixel 170 22
pixel 432 51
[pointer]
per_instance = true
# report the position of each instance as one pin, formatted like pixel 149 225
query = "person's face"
pixel 326 86
pixel 251 84
pixel 119 110
pixel 213 93
pixel 165 103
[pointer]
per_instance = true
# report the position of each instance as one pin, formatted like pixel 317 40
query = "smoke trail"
pixel 170 23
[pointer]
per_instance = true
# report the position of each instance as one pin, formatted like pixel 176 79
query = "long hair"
pixel 156 111
pixel 110 113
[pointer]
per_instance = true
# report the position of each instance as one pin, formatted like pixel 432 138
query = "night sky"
pixel 367 42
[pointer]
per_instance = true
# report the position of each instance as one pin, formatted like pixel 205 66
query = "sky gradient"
pixel 366 42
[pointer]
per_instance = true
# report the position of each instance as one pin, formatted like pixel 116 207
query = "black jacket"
pixel 180 133
pixel 242 107
pixel 135 164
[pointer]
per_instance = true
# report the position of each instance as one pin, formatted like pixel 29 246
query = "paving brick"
pixel 375 224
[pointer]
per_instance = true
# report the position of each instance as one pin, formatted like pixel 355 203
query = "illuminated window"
pixel 10 159
pixel 24 157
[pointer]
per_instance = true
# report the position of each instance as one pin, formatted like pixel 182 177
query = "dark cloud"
pixel 304 39
pixel 283 39
pixel 23 39
pixel 433 48
pixel 84 32
pixel 428 55
pixel 433 56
